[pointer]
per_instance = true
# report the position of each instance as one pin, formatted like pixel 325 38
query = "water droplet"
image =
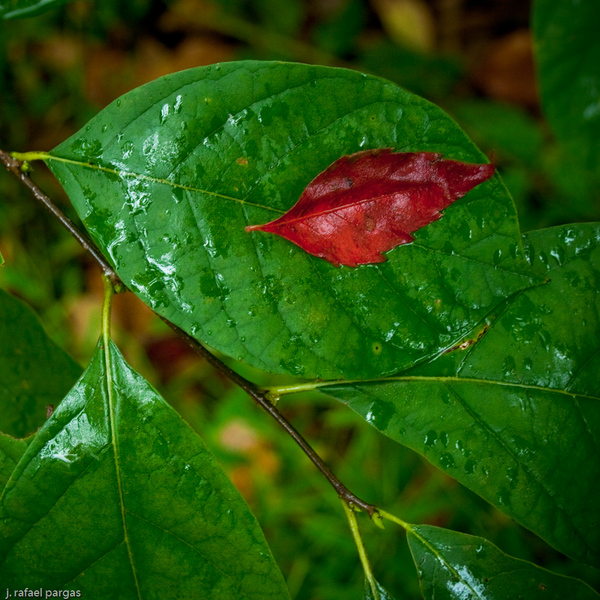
pixel 511 475
pixel 509 366
pixel 503 497
pixel 470 465
pixel 431 438
pixel 178 103
pixel 164 113
pixel 127 149
pixel 544 337
pixel 558 254
pixel 447 461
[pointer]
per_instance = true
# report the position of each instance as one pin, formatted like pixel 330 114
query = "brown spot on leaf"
pixel 466 343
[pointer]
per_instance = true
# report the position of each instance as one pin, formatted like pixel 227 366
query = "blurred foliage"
pixel 473 58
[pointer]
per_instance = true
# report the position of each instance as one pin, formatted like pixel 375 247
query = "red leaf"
pixel 370 202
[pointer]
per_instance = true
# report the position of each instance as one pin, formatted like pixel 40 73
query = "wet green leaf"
pixel 382 593
pixel 166 178
pixel 116 453
pixel 513 412
pixel 455 566
pixel 34 371
pixel 568 53
pixel 17 9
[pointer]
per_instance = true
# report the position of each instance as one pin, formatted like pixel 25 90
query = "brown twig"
pixel 16 168
pixel 259 397
pixel 263 401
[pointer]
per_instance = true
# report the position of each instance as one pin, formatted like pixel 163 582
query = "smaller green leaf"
pixel 382 593
pixel 17 9
pixel 118 498
pixel 456 566
pixel 34 371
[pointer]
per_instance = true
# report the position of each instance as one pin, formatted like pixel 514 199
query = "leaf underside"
pixel 115 453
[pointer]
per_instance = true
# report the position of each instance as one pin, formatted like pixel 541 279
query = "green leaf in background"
pixel 429 75
pixel 507 130
pixel 11 451
pixel 166 178
pixel 514 415
pixel 455 566
pixel 34 371
pixel 567 48
pixel 16 9
pixel 116 453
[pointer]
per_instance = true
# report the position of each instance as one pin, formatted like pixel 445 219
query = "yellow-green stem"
pixel 109 292
pixel 390 517
pixel 362 553
pixel 29 156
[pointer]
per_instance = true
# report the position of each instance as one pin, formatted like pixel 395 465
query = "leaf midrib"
pixel 156 180
pixel 429 379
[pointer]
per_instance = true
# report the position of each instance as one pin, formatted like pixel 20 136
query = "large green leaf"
pixel 515 415
pixel 166 178
pixel 15 9
pixel 455 566
pixel 567 49
pixel 34 371
pixel 118 498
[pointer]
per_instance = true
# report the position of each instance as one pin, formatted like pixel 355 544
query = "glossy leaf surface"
pixel 370 202
pixel 34 371
pixel 382 593
pixel 167 177
pixel 567 49
pixel 116 453
pixel 513 412
pixel 16 9
pixel 455 566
